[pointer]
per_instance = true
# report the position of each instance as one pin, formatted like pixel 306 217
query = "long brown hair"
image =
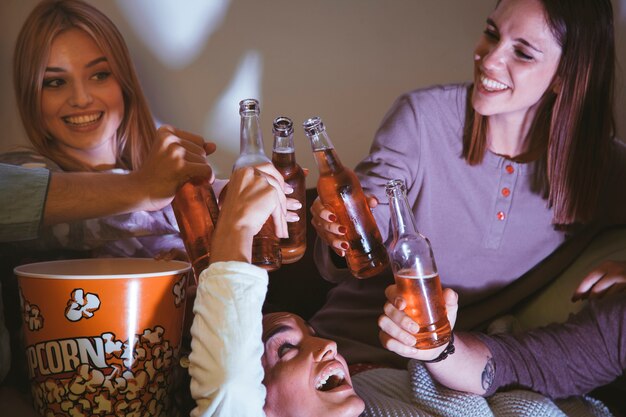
pixel 32 49
pixel 574 123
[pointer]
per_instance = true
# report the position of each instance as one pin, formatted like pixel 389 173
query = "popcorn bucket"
pixel 102 335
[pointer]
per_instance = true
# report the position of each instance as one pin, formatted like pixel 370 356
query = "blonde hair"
pixel 47 20
pixel 574 124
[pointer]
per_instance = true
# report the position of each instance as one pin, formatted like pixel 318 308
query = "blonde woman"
pixel 83 110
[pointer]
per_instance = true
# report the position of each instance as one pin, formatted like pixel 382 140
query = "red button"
pixel 501 215
pixel 509 169
pixel 506 192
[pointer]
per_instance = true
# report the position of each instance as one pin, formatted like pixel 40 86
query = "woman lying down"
pixel 247 364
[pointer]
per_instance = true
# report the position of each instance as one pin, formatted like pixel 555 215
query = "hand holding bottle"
pixel 254 195
pixel 266 251
pixel 468 367
pixel 328 229
pixel 415 272
pixel 175 156
pixel 397 329
pixel 340 192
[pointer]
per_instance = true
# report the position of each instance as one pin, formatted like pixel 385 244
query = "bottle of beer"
pixel 196 211
pixel 284 159
pixel 340 191
pixel 415 272
pixel 265 245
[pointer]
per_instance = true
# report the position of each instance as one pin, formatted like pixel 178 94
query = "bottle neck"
pixel 251 142
pixel 326 157
pixel 402 221
pixel 320 141
pixel 283 160
pixel 283 144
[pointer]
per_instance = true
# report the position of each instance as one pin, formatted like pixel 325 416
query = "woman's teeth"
pixel 83 119
pixel 492 85
pixel 331 380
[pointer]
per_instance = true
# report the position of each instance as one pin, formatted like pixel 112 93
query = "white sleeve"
pixel 226 347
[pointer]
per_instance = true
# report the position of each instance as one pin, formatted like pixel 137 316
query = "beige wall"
pixel 344 60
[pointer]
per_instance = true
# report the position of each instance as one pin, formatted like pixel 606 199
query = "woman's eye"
pixel 102 75
pixel 491 34
pixel 523 55
pixel 284 348
pixel 53 82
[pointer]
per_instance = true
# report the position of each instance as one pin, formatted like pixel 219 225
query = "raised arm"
pixel 225 363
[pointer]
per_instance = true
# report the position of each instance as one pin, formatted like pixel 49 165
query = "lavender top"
pixel 486 224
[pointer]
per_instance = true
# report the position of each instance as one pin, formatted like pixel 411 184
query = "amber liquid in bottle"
pixel 284 160
pixel 431 316
pixel 196 211
pixel 340 190
pixel 294 246
pixel 415 272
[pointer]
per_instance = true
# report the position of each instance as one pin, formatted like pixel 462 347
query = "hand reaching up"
pixel 254 194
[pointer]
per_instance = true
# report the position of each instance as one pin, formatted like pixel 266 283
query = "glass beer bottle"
pixel 415 272
pixel 265 245
pixel 284 160
pixel 196 211
pixel 340 190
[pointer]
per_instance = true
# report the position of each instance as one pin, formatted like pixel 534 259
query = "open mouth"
pixel 492 85
pixel 330 379
pixel 83 119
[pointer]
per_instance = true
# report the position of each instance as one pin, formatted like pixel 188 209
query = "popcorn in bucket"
pixel 102 335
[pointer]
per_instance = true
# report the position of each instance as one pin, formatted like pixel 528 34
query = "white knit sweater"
pixel 413 393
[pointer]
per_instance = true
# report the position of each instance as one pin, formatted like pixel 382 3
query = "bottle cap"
pixel 313 126
pixel 282 126
pixel 249 105
pixel 394 185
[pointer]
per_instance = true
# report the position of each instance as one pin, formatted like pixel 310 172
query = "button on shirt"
pixel 508 174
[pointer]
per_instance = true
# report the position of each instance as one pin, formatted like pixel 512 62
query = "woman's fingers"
pixel 398 325
pixel 601 279
pixel 182 151
pixel 393 345
pixel 397 329
pixel 183 134
pixel 372 201
pixel 273 173
pixel 325 223
pixel 400 319
pixel 209 147
pixel 292 206
pixel 276 181
pixel 451 299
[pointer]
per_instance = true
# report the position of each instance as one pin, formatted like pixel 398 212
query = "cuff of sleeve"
pixel 494 348
pixel 325 265
pixel 238 268
pixel 22 214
